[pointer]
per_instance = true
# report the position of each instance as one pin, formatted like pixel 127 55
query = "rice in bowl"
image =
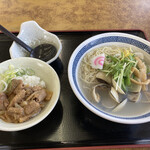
pixel 31 80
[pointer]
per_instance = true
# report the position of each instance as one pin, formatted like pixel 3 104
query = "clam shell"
pixel 114 95
pixel 120 106
pixel 96 95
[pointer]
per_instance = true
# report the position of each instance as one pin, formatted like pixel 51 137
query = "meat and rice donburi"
pixel 22 95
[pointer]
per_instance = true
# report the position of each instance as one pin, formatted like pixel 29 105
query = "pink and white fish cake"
pixel 97 62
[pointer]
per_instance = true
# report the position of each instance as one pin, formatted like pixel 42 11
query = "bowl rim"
pixel 30 123
pixel 93 109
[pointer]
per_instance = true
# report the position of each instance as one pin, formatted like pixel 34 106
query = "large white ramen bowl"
pixel 47 74
pixel 142 115
pixel 33 35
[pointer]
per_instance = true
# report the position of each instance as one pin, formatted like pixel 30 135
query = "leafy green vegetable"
pixel 120 69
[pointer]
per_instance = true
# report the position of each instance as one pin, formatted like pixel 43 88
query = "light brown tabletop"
pixel 60 15
pixel 77 14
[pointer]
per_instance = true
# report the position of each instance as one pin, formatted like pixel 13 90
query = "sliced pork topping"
pixel 17 98
pixel 3 101
pixel 16 110
pixel 19 88
pixel 32 107
pixel 22 102
pixel 37 96
pixel 12 86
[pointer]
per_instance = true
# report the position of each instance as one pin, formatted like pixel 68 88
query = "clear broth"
pixel 131 109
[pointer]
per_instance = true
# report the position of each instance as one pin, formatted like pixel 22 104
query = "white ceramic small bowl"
pixel 141 115
pixel 47 74
pixel 33 35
